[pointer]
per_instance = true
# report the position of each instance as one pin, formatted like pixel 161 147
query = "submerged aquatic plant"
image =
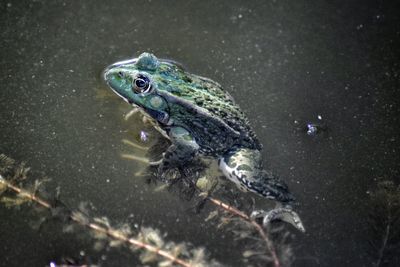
pixel 265 245
pixel 14 191
pixel 384 221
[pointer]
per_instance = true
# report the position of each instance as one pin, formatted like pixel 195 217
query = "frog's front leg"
pixel 182 150
pixel 243 167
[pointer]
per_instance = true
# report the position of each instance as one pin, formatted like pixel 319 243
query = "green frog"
pixel 199 118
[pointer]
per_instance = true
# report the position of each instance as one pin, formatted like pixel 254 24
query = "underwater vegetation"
pixel 263 247
pixel 384 222
pixel 16 190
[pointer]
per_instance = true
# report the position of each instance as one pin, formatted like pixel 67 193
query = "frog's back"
pixel 223 122
pixel 222 105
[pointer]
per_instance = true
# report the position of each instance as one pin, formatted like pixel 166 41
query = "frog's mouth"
pixel 110 85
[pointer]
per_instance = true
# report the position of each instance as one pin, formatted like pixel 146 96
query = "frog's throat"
pixel 161 116
pixel 158 116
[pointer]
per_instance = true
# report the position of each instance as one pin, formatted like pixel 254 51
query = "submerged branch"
pixel 117 235
pixel 15 191
pixel 257 226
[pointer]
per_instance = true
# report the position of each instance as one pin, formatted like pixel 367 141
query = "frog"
pixel 200 119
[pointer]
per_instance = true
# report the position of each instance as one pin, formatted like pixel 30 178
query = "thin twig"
pixel 385 238
pixel 257 226
pixel 382 249
pixel 98 228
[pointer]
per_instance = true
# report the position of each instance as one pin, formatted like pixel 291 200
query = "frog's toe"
pixel 131 113
pixel 283 214
pixel 155 163
pixel 256 214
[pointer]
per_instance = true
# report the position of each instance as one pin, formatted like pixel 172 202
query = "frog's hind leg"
pixel 243 167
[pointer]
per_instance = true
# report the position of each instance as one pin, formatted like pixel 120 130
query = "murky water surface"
pixel 285 63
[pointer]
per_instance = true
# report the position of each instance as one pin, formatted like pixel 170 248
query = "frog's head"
pixel 138 81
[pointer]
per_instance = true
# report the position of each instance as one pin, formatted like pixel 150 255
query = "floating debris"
pixel 312 129
pixel 144 136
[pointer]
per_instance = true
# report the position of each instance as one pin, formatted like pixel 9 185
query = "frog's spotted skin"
pixel 243 167
pixel 199 117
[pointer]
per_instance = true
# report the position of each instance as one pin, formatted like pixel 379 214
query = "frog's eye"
pixel 141 84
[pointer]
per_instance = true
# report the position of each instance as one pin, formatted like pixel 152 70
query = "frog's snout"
pixel 118 86
pixel 118 78
pixel 105 74
pixel 109 70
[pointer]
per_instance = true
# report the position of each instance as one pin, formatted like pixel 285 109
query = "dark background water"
pixel 283 61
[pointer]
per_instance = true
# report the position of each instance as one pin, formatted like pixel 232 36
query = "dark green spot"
pixel 244 167
pixel 231 163
pixel 187 79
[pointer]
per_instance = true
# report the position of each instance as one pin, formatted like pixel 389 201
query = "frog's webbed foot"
pixel 132 112
pixel 283 214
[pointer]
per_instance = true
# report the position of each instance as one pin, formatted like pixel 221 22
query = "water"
pixel 282 61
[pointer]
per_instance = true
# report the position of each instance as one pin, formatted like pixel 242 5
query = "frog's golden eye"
pixel 141 84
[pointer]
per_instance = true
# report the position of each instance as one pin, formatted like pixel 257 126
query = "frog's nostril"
pixel 105 75
pixel 120 74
